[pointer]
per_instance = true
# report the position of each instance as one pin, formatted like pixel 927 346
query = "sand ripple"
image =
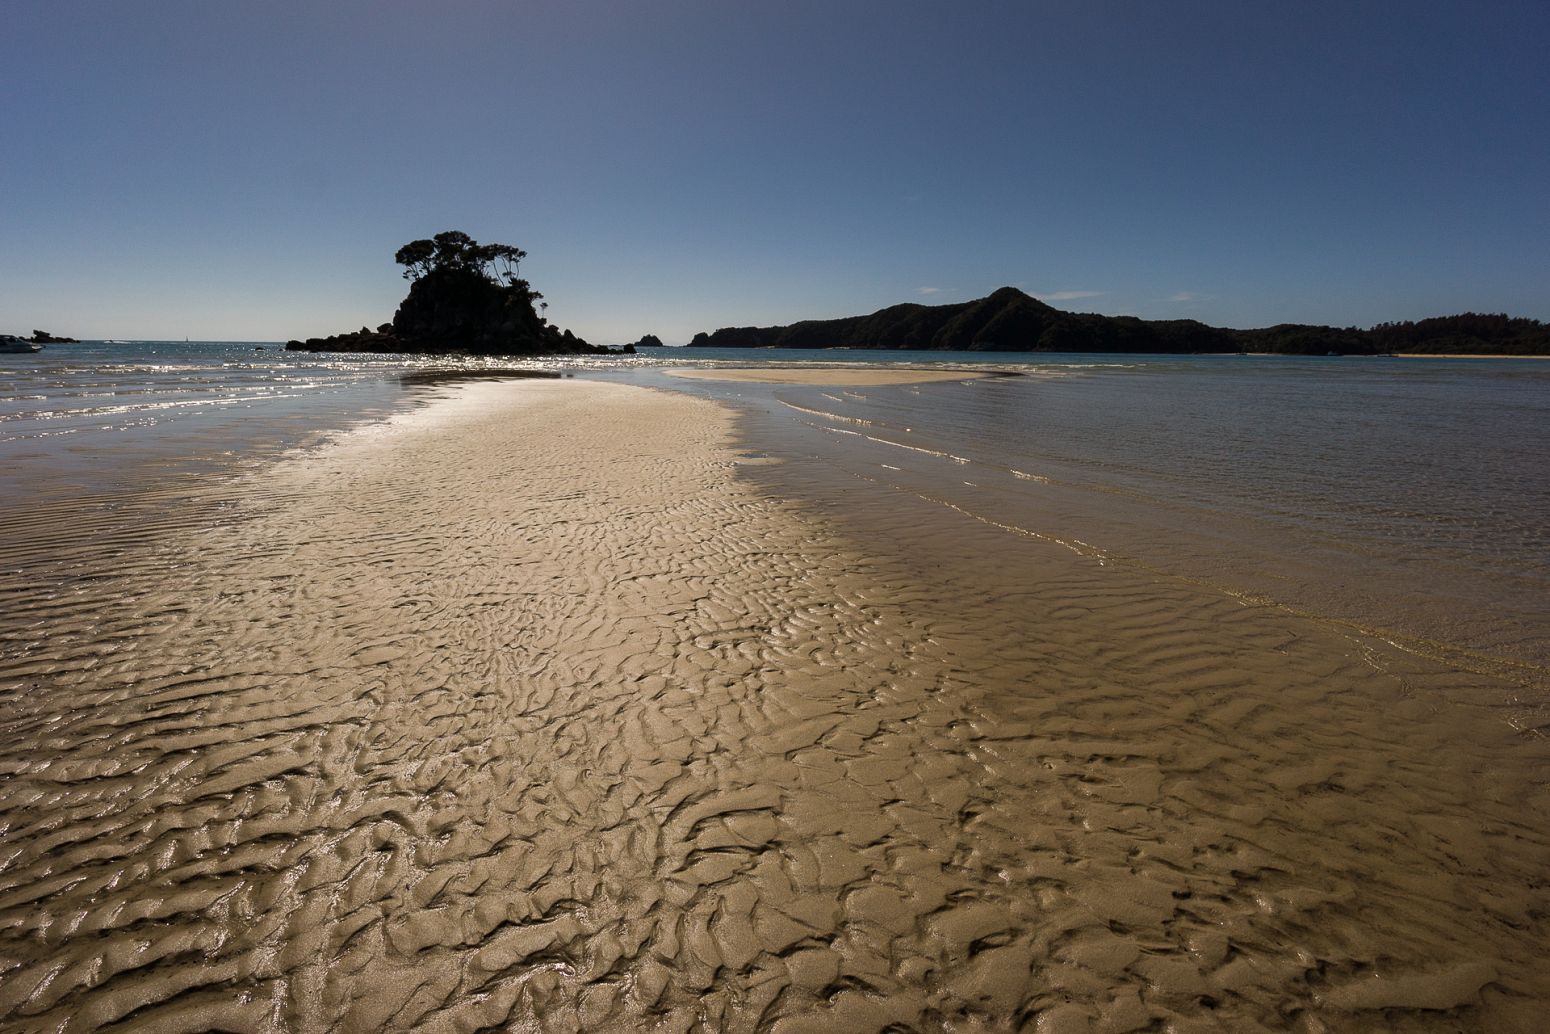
pixel 521 713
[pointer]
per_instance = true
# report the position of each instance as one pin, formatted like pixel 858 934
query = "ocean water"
pixel 1409 498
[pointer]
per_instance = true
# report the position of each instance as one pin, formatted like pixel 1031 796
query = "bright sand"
pixel 524 712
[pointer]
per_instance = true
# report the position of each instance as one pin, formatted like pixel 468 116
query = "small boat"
pixel 10 344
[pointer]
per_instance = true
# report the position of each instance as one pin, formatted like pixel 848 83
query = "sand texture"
pixel 523 712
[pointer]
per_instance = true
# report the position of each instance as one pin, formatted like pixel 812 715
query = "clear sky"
pixel 238 170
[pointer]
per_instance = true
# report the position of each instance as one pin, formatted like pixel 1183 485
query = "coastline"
pixel 439 728
pixel 1463 355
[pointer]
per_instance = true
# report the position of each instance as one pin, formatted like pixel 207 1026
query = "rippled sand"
pixel 522 712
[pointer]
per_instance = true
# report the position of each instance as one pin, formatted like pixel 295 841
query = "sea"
pixel 1404 498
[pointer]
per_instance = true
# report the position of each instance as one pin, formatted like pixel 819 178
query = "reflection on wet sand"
pixel 433 377
pixel 482 719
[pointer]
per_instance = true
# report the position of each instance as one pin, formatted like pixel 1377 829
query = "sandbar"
pixel 834 376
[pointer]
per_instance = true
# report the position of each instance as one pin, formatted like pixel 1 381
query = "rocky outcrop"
pixel 649 341
pixel 364 340
pixel 43 337
pixel 463 310
pixel 459 305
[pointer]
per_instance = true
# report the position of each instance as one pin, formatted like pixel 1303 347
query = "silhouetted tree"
pixel 417 258
pixel 456 250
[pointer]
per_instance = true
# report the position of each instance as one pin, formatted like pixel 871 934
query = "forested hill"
pixel 1011 321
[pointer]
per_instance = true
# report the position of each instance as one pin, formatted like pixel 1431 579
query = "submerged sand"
pixel 522 712
pixel 859 376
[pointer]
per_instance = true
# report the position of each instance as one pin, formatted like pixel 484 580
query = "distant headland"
pixel 41 337
pixel 465 298
pixel 1010 321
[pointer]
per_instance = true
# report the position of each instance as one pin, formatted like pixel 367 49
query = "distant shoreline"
pixel 863 376
pixel 1462 355
pixel 1010 320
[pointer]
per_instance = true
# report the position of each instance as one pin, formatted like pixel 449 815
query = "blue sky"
pixel 245 171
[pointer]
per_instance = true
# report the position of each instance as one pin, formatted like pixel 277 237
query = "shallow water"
pixel 99 416
pixel 108 443
pixel 1410 499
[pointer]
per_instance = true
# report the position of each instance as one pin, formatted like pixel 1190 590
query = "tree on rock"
pixel 465 298
pixel 456 250
pixel 468 296
pixel 417 258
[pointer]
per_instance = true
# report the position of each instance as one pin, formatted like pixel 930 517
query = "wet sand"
pixel 858 376
pixel 524 711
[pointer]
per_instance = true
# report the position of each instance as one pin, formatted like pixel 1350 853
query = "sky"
pixel 245 171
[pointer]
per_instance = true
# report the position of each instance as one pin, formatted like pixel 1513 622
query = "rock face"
pixel 462 310
pixel 1010 321
pixel 364 340
pixel 649 341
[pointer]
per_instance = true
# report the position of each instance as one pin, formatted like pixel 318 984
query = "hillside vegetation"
pixel 1010 321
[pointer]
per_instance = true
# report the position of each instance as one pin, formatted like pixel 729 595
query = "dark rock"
pixel 1009 320
pixel 362 340
pixel 458 305
pixel 1005 321
pixel 43 337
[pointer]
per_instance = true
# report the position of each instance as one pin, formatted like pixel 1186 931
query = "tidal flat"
pixel 541 707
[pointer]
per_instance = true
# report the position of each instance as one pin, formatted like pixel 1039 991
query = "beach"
pixel 542 706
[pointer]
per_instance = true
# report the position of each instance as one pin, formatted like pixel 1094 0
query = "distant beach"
pixel 855 375
pixel 1462 355
pixel 791 698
